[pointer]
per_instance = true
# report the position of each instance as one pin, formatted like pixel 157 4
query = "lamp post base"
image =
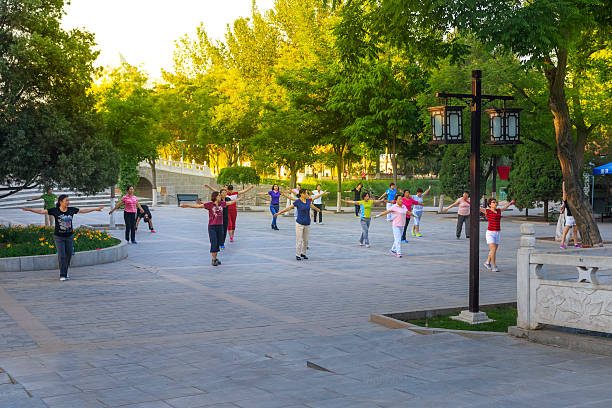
pixel 472 318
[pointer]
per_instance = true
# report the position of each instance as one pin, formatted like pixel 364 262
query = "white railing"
pixel 192 167
pixel 581 303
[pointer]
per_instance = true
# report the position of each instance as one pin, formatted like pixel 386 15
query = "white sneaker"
pixel 487 265
pixel 361 244
pixel 367 245
pixel 320 222
pixel 63 279
pixel 495 269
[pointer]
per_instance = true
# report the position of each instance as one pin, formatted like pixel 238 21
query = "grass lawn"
pixel 503 317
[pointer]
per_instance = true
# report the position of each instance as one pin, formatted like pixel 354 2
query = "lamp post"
pixel 182 142
pixel 447 129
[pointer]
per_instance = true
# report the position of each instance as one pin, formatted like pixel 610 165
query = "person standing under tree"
pixel 215 221
pixel 570 222
pixel 129 213
pixel 318 202
pixel 274 194
pixel 399 212
pixel 365 216
pixel 493 231
pixel 49 199
pixel 418 210
pixel 390 194
pixel 463 214
pixel 302 222
pixel 356 197
pixel 232 211
pixel 63 215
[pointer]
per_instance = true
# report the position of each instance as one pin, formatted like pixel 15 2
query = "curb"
pixel 45 262
pixel 571 341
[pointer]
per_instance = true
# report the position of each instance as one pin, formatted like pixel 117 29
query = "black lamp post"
pixel 504 129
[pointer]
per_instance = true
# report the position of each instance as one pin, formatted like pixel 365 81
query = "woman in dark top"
pixel 302 222
pixel 215 221
pixel 357 196
pixel 274 194
pixel 64 233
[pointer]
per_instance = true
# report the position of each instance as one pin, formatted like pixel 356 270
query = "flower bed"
pixel 37 240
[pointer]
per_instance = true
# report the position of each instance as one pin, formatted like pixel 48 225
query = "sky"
pixel 144 31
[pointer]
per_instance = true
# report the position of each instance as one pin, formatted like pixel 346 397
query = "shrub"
pixel 37 240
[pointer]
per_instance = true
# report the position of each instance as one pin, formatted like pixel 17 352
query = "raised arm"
pixel 483 210
pixel 287 196
pixel 88 210
pixel 246 190
pixel 427 191
pixel 508 205
pixel 382 196
pixel 35 210
pixel 209 187
pixel 35 198
pixel 233 201
pixel 319 195
pixel 291 207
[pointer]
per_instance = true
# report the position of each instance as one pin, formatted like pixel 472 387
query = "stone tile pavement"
pixel 163 328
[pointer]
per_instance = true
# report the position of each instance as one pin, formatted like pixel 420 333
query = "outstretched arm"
pixel 382 213
pixel 483 210
pixel 35 210
pixel 285 210
pixel 348 201
pixel 319 195
pixel 246 189
pixel 233 201
pixel 427 191
pixel 88 210
pixel 288 196
pixel 508 205
pixel 35 198
pixel 456 203
pixel 192 205
pixel 209 187
pixel 116 206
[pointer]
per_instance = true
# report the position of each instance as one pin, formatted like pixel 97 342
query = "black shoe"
pixel 216 262
pixel 276 228
pixel 304 256
pixel 297 258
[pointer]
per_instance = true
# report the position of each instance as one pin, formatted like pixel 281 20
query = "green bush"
pixel 38 240
pixel 238 175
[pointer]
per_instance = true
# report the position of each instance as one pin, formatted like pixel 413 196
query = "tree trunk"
pixel 153 181
pixel 339 165
pixel 494 178
pixel 546 210
pixel 394 159
pixel 566 151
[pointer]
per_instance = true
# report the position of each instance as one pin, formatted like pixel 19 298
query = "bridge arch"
pixel 144 187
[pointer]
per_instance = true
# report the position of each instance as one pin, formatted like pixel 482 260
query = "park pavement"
pixel 164 328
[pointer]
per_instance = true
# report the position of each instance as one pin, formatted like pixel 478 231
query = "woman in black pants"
pixel 357 193
pixel 64 233
pixel 215 221
pixel 129 213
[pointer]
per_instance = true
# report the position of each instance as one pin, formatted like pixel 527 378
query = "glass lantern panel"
pixel 437 125
pixel 496 127
pixel 453 119
pixel 512 126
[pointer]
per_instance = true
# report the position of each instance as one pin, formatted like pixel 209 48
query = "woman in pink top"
pixel 399 220
pixel 463 212
pixel 129 213
pixel 408 202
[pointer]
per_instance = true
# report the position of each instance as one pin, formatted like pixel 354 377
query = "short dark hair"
pixel 391 185
pixel 302 191
pixel 230 187
pixel 490 200
pixel 419 190
pixel 61 198
pixel 214 195
pixel 466 192
pixel 365 194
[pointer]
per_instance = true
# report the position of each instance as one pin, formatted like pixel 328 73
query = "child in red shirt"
pixel 493 231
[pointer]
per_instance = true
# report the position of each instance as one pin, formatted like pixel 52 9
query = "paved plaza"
pixel 164 328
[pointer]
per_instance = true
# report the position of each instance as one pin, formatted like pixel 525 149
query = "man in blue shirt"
pixel 390 194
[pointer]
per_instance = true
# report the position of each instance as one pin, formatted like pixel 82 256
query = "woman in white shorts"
pixel 570 222
pixel 493 230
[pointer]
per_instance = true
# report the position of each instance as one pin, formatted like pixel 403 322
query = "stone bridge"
pixel 173 177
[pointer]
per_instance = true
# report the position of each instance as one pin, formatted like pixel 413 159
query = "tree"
pixel 49 134
pixel 238 175
pixel 535 177
pixel 556 37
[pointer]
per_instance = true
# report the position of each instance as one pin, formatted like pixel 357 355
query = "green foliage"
pixel 455 170
pixel 37 240
pixel 48 132
pixel 238 175
pixel 535 176
pixel 504 317
pixel 128 176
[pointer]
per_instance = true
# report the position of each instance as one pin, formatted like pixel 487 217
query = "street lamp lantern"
pixel 446 124
pixel 504 126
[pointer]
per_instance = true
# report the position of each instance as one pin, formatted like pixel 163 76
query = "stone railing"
pixel 192 167
pixel 583 302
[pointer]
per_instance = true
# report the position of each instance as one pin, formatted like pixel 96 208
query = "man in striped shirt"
pixel 493 231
